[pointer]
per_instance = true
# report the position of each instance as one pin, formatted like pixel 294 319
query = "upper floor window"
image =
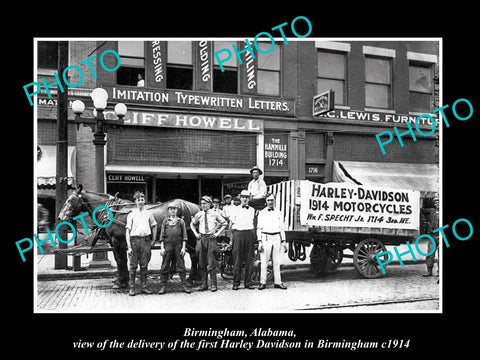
pixel 331 74
pixel 47 54
pixel 378 82
pixel 268 68
pixel 420 86
pixel 132 68
pixel 179 65
pixel 225 81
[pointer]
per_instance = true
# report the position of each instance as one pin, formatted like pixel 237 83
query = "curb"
pixel 96 274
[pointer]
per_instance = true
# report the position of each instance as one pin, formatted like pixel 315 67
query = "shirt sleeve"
pixel 219 218
pixel 129 224
pixel 259 225
pixel 281 226
pixel 184 229
pixel 263 187
pixel 195 218
pixel 151 219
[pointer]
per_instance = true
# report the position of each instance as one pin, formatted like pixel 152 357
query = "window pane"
pixel 331 65
pixel 129 75
pixel 377 70
pixel 179 78
pixel 225 81
pixel 131 48
pixel 268 82
pixel 270 61
pixel 420 102
pixel 420 79
pixel 335 85
pixel 377 96
pixel 47 54
pixel 179 52
pixel 219 45
pixel 133 62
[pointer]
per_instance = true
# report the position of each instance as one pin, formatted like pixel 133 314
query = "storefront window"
pixel 331 74
pixel 378 83
pixel 268 69
pixel 179 65
pixel 132 68
pixel 420 86
pixel 225 81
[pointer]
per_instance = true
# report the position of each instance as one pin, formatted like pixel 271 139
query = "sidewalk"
pixel 45 263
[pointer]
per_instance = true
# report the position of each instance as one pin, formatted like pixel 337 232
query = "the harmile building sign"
pixel 260 105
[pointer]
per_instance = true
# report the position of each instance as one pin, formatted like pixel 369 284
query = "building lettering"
pixel 157 61
pixel 205 59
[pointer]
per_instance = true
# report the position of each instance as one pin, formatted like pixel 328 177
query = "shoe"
pixel 280 286
pixel 235 287
pixel 117 286
pixel 262 286
pixel 162 290
pixel 186 289
pixel 249 287
pixel 203 287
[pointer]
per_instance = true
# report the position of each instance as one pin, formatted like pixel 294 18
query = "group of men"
pixel 210 225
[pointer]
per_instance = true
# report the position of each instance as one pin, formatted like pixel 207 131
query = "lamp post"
pixel 99 126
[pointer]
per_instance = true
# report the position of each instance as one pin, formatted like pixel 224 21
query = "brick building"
pixel 192 129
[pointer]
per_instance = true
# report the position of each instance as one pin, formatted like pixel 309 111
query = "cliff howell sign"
pixel 249 104
pixel 189 121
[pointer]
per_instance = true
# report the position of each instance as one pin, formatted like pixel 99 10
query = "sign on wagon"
pixel 344 204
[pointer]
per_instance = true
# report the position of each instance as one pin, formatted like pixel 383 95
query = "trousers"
pixel 271 247
pixel 243 252
pixel 170 252
pixel 141 253
pixel 207 249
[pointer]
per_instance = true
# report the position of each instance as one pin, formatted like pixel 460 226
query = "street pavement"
pixel 402 289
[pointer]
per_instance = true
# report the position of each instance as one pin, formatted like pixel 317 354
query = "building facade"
pixel 192 129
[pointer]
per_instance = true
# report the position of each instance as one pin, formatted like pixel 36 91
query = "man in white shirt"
pixel 271 238
pixel 243 240
pixel 257 189
pixel 141 233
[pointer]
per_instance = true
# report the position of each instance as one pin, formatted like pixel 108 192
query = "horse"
pixel 81 200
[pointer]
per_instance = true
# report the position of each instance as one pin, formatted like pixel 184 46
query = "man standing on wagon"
pixel 141 233
pixel 257 189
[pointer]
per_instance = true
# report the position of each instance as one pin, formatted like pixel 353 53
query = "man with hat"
pixel 173 239
pixel 271 237
pixel 257 188
pixel 228 208
pixel 243 240
pixel 210 226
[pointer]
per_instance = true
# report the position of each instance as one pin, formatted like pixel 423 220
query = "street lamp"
pixel 99 126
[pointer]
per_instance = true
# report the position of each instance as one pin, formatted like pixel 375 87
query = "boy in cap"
pixel 271 237
pixel 141 233
pixel 210 226
pixel 173 239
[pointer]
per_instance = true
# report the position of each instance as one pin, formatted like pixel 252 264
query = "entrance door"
pixel 169 189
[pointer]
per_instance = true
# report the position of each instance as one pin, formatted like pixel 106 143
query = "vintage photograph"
pixel 226 175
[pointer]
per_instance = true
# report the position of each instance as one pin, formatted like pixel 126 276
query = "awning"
pixel 47 166
pixel 421 177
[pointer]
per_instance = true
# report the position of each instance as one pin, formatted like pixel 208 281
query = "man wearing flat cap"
pixel 257 189
pixel 242 223
pixel 210 226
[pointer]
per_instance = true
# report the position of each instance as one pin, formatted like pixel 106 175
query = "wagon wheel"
pixel 325 258
pixel 364 258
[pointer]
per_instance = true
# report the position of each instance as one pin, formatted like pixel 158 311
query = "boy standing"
pixel 173 239
pixel 141 232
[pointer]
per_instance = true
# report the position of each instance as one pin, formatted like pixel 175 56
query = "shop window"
pixel 225 81
pixel 420 86
pixel 378 83
pixel 331 74
pixel 268 69
pixel 132 68
pixel 179 65
pixel 47 54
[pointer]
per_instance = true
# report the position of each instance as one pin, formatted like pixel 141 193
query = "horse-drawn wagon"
pixel 334 217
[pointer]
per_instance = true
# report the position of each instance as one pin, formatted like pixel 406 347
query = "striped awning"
pixel 46 167
pixel 421 177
